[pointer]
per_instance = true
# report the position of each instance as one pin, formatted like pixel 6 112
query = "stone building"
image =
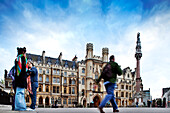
pixel 166 97
pixel 70 82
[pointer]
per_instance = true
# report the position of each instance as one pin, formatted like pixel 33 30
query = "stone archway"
pixel 47 101
pixel 96 101
pixel 40 100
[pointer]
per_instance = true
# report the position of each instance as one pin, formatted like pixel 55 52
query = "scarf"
pixel 19 63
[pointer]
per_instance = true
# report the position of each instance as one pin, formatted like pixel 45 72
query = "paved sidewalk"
pixel 7 109
pixel 107 110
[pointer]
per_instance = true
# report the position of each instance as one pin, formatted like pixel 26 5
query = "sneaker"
pixel 101 110
pixel 29 109
pixel 115 110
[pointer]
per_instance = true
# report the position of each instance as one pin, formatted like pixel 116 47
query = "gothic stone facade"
pixel 69 83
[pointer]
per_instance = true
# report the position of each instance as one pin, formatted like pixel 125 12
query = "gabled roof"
pixel 38 58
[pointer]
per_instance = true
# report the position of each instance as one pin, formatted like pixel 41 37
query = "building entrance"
pixel 96 101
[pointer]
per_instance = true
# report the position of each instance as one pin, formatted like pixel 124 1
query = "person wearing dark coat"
pixel 34 83
pixel 109 74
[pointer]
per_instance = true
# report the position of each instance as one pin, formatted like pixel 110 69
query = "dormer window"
pixel 57 62
pixel 49 61
pixel 39 60
pixel 66 64
pixel 74 65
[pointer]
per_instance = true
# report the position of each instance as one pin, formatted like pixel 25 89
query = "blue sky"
pixel 68 25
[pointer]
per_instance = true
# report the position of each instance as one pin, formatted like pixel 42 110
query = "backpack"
pixel 107 71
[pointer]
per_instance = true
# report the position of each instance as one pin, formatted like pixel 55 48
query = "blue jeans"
pixel 33 96
pixel 110 96
pixel 20 104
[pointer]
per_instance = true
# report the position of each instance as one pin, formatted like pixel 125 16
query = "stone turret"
pixel 89 69
pixel 105 53
pixel 89 50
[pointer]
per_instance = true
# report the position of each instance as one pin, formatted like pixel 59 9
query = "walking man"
pixel 110 75
pixel 34 83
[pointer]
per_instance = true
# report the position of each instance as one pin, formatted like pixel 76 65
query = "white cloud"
pixel 59 31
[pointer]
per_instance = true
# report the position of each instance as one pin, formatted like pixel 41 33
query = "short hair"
pixel 21 50
pixel 112 57
pixel 31 62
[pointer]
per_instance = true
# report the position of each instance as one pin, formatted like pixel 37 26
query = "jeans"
pixel 110 96
pixel 20 104
pixel 33 96
pixel 13 99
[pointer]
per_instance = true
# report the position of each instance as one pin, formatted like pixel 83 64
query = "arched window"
pixel 40 100
pixel 73 82
pixel 82 81
pixel 46 101
pixel 83 70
